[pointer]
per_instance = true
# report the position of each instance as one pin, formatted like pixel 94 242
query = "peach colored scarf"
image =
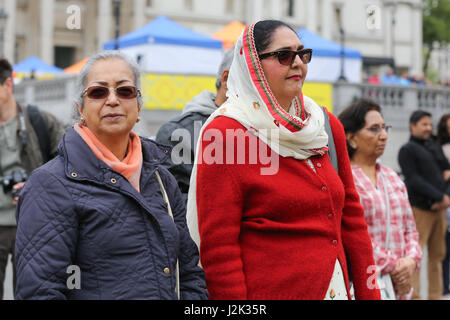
pixel 130 167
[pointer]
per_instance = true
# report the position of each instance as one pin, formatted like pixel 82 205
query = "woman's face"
pixel 371 140
pixel 111 116
pixel 286 82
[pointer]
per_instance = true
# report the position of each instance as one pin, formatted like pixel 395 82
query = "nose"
pixel 297 61
pixel 112 99
pixel 383 134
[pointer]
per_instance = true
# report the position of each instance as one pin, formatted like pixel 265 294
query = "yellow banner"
pixel 321 93
pixel 172 92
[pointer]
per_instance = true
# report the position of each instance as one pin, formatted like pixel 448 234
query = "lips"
pixel 112 116
pixel 295 77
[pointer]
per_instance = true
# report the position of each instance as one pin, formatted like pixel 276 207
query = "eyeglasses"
pixel 376 129
pixel 287 57
pixel 102 92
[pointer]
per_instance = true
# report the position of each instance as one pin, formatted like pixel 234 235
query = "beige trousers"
pixel 431 226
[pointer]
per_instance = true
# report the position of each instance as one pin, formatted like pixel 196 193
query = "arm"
pixel 355 237
pixel 47 230
pixel 192 277
pixel 182 151
pixel 384 259
pixel 409 165
pixel 219 208
pixel 412 249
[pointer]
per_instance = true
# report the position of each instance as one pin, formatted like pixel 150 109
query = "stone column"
pixel 417 60
pixel 139 13
pixel 327 18
pixel 9 38
pixel 104 27
pixel 254 10
pixel 47 27
pixel 388 31
pixel 311 18
pixel 275 11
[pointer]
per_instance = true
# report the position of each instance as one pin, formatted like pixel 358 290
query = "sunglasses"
pixel 287 57
pixel 376 129
pixel 101 92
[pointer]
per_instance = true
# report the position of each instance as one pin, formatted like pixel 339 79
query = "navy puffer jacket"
pixel 77 211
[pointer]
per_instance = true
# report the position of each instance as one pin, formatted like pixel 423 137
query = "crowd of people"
pixel 274 196
pixel 389 77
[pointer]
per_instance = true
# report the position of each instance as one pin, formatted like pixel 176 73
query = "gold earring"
pixel 82 121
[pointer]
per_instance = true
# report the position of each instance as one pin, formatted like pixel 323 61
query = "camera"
pixel 10 180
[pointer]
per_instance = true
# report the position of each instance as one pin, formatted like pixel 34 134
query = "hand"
pixel 443 204
pixel 446 175
pixel 402 275
pixel 17 186
pixel 402 289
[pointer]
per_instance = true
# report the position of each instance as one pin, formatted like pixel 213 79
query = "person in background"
pixel 374 79
pixel 190 121
pixel 272 216
pixel 404 80
pixel 105 211
pixel 367 135
pixel 28 138
pixel 443 137
pixel 390 78
pixel 427 171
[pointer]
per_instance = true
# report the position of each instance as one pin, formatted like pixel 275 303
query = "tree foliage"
pixel 436 25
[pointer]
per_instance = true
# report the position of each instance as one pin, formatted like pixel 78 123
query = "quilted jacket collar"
pixel 80 160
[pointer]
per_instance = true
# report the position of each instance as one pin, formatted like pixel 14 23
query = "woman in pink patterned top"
pixel 366 134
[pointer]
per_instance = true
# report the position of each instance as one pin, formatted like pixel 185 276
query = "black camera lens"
pixel 10 180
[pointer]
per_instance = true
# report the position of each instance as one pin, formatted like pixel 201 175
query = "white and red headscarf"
pixel 300 132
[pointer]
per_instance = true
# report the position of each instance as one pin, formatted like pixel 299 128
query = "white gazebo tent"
pixel 325 65
pixel 163 46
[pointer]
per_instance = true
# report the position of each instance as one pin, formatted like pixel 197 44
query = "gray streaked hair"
pixel 80 84
pixel 224 65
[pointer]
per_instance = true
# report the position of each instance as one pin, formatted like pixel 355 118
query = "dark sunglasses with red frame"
pixel 287 57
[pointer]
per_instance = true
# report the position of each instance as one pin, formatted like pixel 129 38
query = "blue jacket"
pixel 77 211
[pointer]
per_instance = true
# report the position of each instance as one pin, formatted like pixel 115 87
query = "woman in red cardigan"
pixel 271 215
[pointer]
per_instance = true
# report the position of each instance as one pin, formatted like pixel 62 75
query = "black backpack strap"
pixel 331 146
pixel 40 127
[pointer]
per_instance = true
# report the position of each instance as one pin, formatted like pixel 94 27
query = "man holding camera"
pixel 28 138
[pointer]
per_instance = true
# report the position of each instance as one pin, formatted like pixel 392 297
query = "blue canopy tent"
pixel 325 65
pixel 36 65
pixel 163 46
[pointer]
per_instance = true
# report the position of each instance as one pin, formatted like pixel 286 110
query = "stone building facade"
pixel 62 32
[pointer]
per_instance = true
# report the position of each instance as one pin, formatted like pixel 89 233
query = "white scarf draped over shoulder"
pixel 300 132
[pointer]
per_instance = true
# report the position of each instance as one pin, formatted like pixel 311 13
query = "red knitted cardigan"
pixel 278 236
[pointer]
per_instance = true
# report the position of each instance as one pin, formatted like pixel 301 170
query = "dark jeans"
pixel 446 264
pixel 7 244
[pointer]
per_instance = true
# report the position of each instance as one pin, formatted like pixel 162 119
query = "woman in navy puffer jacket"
pixel 93 223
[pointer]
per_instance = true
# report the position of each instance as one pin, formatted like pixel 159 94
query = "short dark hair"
pixel 263 32
pixel 417 115
pixel 442 132
pixel 353 117
pixel 5 70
